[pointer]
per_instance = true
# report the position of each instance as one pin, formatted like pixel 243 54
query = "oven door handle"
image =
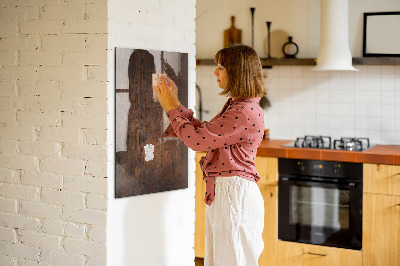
pixel 329 184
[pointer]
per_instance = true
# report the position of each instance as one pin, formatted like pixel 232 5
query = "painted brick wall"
pixel 53 105
pixel 154 229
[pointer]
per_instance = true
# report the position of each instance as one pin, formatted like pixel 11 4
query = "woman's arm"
pixel 228 129
pixel 167 93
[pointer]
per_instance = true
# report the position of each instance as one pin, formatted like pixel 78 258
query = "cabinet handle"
pixel 318 254
pixel 398 204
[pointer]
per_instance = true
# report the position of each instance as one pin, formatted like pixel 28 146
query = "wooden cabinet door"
pixel 381 179
pixel 200 207
pixel 270 233
pixel 267 168
pixel 381 230
pixel 297 254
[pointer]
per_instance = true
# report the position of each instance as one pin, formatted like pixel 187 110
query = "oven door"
pixel 320 212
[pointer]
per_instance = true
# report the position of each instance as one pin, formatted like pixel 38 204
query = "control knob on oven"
pixel 302 167
pixel 336 169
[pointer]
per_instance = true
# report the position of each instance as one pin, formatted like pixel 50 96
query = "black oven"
pixel 320 202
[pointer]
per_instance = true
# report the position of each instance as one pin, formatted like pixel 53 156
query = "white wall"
pixel 155 229
pixel 53 185
pixel 299 18
pixel 338 104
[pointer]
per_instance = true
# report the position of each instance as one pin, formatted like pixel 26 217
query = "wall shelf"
pixel 312 61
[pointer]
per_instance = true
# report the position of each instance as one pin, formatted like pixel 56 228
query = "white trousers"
pixel 234 223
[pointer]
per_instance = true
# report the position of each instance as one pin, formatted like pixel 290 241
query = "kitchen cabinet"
pixel 381 215
pixel 381 230
pixel 270 233
pixel 298 254
pixel 267 168
pixel 381 179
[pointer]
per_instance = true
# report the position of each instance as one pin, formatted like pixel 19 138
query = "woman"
pixel 235 207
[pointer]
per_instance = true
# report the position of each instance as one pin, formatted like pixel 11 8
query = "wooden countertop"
pixel 379 154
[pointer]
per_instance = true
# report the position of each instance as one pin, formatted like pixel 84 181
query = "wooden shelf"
pixel 312 61
pixel 376 61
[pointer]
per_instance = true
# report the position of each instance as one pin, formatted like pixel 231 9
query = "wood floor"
pixel 199 262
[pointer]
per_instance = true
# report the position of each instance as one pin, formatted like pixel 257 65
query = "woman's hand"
pixel 164 95
pixel 174 90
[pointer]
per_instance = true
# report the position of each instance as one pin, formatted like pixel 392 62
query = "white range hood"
pixel 334 51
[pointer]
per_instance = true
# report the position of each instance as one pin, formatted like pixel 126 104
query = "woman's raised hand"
pixel 174 90
pixel 164 94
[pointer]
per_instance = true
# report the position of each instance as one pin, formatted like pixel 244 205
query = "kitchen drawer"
pixel 381 179
pixel 298 254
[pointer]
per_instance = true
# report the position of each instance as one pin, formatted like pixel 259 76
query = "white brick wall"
pixel 53 107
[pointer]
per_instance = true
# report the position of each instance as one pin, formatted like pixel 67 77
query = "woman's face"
pixel 222 76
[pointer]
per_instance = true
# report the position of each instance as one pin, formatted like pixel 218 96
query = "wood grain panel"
pixel 270 233
pixel 200 207
pixel 381 230
pixel 381 179
pixel 267 168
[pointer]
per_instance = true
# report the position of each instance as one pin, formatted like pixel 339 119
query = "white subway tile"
pixel 310 95
pixel 322 96
pixel 308 72
pixel 373 70
pixel 296 72
pixel 374 83
pixel 397 122
pixel 361 110
pixel 374 97
pixel 334 109
pixel 348 122
pixel 388 110
pixel 388 84
pixel 388 97
pixel 335 95
pixel 347 109
pixel 322 121
pixel 348 96
pixel 361 124
pixel 374 124
pixel 375 136
pixel 397 133
pixel 348 132
pixel 374 110
pixel 310 108
pixel 389 137
pixel 322 109
pixel 388 124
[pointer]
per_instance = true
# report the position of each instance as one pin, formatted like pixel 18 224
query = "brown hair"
pixel 245 78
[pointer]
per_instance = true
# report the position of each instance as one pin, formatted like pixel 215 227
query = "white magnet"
pixel 148 152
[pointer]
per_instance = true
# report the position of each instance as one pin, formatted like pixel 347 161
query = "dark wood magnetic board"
pixel 146 162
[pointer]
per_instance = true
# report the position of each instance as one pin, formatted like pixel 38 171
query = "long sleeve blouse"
pixel 231 139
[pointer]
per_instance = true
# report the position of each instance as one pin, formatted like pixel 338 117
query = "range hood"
pixel 334 51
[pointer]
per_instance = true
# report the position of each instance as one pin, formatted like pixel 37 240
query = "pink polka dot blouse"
pixel 231 139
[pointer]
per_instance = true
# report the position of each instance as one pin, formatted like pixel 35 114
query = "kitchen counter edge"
pixel 379 154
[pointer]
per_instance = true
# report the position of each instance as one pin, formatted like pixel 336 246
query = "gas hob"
pixel 325 142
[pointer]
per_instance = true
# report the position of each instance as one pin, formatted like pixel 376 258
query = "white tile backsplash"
pixel 364 103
